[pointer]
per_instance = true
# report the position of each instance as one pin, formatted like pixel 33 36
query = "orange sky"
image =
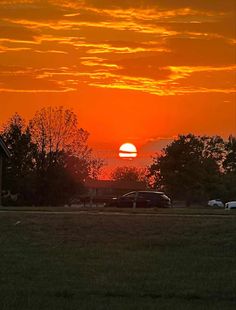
pixel 137 71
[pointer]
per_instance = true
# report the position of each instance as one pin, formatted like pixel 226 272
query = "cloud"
pixel 154 46
pixel 31 10
pixel 210 5
pixel 17 79
pixel 165 87
pixel 20 33
pixel 155 144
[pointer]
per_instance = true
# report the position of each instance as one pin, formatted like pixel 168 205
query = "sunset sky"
pixel 139 71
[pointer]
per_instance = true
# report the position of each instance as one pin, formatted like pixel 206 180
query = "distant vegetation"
pixel 192 168
pixel 130 174
pixel 196 168
pixel 50 157
pixel 50 160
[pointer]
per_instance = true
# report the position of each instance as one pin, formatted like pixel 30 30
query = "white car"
pixel 230 205
pixel 215 203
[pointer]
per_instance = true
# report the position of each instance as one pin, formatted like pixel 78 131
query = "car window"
pixel 143 196
pixel 149 195
pixel 130 195
pixel 153 196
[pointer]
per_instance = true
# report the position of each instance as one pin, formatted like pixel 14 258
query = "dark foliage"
pixel 195 168
pixel 128 174
pixel 50 159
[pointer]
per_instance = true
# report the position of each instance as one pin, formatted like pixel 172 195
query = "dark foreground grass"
pixel 79 261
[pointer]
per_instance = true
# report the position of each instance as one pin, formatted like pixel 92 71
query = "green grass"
pixel 81 261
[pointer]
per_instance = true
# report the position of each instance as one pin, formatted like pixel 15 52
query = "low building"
pixel 4 153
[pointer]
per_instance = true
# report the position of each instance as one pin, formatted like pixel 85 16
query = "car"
pixel 230 205
pixel 215 203
pixel 141 199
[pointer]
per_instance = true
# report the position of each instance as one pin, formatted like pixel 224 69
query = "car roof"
pixel 145 192
pixel 151 192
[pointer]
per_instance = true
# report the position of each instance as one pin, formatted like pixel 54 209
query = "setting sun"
pixel 128 150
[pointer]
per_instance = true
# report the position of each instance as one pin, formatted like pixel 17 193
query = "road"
pixel 117 213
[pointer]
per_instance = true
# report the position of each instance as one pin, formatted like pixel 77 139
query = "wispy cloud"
pixel 160 47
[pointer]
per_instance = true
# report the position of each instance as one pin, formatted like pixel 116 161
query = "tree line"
pixel 191 168
pixel 50 161
pixel 50 158
pixel 196 168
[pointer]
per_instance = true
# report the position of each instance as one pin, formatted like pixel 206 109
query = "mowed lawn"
pixel 111 261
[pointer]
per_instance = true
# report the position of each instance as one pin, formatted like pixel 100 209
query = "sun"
pixel 128 151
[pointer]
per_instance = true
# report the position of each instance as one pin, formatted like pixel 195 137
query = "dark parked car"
pixel 141 199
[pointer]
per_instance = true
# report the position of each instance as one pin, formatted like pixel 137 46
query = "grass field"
pixel 173 259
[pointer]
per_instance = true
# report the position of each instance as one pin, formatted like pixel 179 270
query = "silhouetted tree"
pixel 55 130
pixel 230 159
pixel 50 158
pixel 19 171
pixel 129 174
pixel 189 168
pixel 229 176
pixel 63 154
